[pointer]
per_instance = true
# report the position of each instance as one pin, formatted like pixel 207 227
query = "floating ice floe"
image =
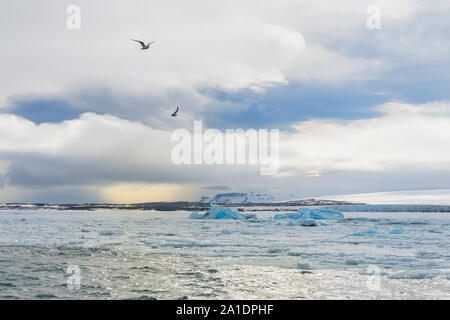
pixel 217 212
pixel 416 275
pixel 316 214
pixel 307 217
pixel 366 232
pixel 111 232
pixel 196 215
pixel 371 231
pixel 351 262
pixel 396 230
pixel 303 266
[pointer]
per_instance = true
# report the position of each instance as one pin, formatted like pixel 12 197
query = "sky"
pixel 85 114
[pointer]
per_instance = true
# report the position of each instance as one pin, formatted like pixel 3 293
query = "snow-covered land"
pixel 239 198
pixel 433 197
pixel 391 208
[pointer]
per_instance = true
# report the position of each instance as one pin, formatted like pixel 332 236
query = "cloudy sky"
pixel 85 115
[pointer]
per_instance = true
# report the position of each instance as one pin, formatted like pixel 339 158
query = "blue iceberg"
pixel 307 217
pixel 196 215
pixel 315 214
pixel 217 212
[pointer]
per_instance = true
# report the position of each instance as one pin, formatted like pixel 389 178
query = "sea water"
pixel 119 254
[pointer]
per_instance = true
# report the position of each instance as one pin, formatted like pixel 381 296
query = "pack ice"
pixel 217 212
pixel 307 217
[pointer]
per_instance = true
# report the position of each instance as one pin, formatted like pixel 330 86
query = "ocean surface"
pixel 119 254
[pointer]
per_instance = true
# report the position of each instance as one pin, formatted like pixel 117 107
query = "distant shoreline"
pixel 199 206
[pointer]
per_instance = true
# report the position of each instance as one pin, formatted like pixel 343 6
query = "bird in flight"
pixel 175 113
pixel 143 45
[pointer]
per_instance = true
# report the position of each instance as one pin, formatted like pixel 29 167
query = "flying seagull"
pixel 144 46
pixel 175 113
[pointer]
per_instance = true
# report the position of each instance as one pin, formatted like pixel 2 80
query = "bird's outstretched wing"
pixel 175 113
pixel 150 43
pixel 142 43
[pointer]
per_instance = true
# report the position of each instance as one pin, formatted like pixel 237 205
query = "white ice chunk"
pixel 397 230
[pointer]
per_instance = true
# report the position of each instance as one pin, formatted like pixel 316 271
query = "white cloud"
pixel 252 44
pixel 91 137
pixel 434 197
pixel 104 153
pixel 214 45
pixel 404 136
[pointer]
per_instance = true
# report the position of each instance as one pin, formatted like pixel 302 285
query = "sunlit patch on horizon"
pixel 145 192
